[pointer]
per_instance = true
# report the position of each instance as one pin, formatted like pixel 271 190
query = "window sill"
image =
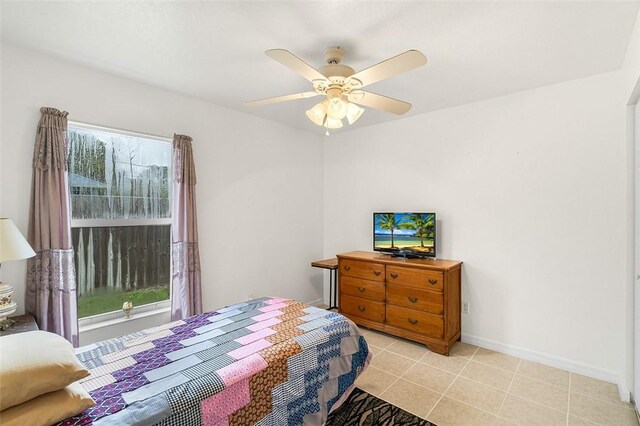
pixel 122 319
pixel 114 315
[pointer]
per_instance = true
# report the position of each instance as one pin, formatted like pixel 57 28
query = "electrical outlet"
pixel 465 307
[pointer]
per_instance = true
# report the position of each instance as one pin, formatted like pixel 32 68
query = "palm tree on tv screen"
pixel 421 223
pixel 388 222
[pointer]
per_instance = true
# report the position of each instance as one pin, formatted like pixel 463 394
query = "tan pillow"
pixel 35 363
pixel 49 408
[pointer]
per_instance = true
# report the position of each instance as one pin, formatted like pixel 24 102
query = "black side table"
pixel 332 266
pixel 22 324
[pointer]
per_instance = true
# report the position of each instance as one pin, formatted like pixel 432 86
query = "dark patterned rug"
pixel 363 409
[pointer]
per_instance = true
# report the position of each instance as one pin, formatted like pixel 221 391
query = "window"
pixel 121 218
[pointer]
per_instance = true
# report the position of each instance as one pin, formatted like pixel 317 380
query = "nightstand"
pixel 332 266
pixel 22 324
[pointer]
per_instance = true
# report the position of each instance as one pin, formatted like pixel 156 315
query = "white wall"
pixel 631 66
pixel 530 193
pixel 631 79
pixel 259 191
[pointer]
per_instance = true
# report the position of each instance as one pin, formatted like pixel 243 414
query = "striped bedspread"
pixel 268 361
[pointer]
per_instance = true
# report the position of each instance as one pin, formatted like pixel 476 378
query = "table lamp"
pixel 13 246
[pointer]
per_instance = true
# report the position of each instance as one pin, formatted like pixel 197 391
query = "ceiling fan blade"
pixel 295 64
pixel 284 98
pixel 393 66
pixel 383 103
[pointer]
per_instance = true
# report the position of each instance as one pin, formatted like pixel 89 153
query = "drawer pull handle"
pixel 394 275
pixel 376 273
pixel 362 289
pixel 412 299
pixel 432 281
pixel 347 268
pixel 361 308
pixel 413 321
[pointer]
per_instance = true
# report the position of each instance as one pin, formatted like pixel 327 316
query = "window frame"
pixel 163 305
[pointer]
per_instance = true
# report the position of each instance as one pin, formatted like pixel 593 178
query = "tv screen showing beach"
pixel 415 232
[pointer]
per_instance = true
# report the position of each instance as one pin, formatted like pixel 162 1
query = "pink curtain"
pixel 51 279
pixel 186 293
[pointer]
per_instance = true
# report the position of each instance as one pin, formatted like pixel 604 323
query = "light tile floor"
pixel 476 386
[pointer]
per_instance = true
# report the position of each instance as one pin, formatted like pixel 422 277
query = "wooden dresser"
pixel 417 299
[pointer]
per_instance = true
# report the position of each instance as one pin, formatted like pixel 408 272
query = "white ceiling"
pixel 214 50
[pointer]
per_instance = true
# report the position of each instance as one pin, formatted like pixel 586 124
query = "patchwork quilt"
pixel 268 361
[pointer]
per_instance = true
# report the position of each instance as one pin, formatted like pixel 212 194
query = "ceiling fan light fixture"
pixel 318 113
pixel 332 123
pixel 354 112
pixel 337 108
pixel 342 85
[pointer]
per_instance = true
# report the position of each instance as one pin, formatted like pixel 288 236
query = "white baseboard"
pixel 551 360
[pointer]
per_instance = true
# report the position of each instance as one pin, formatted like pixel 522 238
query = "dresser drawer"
pixel 372 290
pixel 416 321
pixel 415 298
pixel 421 278
pixel 366 270
pixel 363 308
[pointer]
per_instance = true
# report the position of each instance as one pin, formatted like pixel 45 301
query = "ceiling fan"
pixel 342 86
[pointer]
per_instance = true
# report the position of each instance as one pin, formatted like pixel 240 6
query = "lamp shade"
pixel 330 112
pixel 13 246
pixel 318 113
pixel 353 113
pixel 337 108
pixel 332 123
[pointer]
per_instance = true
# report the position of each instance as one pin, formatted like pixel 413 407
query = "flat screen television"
pixel 405 234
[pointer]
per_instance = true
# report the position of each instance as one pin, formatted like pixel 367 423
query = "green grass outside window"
pixel 103 302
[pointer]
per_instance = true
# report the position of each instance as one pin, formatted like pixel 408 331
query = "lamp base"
pixel 6 324
pixel 7 306
pixel 6 293
pixel 8 309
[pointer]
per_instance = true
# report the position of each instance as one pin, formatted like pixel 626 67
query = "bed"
pixel 268 361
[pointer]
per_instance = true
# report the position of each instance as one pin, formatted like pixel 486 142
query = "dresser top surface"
pixel 427 263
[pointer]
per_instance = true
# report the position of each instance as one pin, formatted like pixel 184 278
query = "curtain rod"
pixel 126 132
